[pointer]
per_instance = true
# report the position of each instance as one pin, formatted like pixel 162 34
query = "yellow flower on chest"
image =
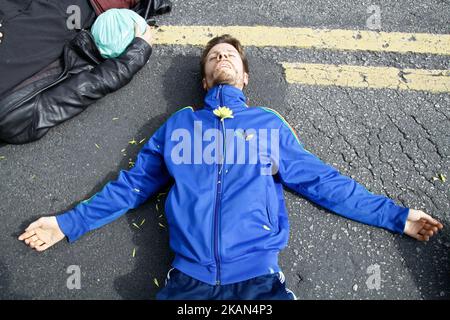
pixel 223 113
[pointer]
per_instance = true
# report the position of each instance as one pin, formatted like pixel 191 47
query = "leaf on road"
pixel 134 252
pixel 156 282
pixel 142 222
pixel 134 224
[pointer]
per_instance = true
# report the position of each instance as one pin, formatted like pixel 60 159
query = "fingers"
pixel 430 220
pixel 137 30
pixel 33 241
pixel 427 218
pixel 36 243
pixel 27 234
pixel 420 237
pixel 430 227
pixel 425 232
pixel 43 247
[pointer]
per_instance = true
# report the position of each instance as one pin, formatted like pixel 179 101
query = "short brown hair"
pixel 226 38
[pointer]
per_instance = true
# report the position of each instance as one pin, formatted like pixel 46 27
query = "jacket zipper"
pixel 218 202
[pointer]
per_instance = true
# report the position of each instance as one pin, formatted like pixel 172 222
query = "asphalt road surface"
pixel 392 141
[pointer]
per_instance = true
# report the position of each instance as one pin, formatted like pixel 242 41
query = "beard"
pixel 225 76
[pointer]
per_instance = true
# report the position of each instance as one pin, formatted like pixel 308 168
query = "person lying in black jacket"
pixel 29 113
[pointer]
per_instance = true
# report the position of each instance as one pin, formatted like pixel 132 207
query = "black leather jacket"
pixel 67 87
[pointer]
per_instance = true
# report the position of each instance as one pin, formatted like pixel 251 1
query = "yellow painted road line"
pixel 435 81
pixel 334 39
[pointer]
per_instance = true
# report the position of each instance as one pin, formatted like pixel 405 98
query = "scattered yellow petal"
pixel 161 225
pixel 266 227
pixel 134 252
pixel 2 157
pixel 134 224
pixel 160 216
pixel 114 119
pixel 132 141
pixel 123 150
pixel 435 179
pixel 156 282
pixel 249 137
pixel 442 177
pixel 131 163
pixel 142 222
pixel 157 208
pixel 97 146
pixel 141 141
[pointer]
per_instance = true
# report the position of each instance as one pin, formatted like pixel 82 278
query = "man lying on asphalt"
pixel 225 210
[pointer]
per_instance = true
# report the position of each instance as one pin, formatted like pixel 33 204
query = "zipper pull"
pixel 218 93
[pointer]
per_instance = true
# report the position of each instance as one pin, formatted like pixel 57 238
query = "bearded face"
pixel 224 66
pixel 225 73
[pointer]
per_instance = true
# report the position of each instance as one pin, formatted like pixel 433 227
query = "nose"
pixel 222 55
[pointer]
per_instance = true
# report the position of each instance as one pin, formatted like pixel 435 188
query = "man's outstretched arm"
pixel 306 174
pixel 128 191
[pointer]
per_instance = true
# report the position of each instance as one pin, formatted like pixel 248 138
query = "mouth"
pixel 224 65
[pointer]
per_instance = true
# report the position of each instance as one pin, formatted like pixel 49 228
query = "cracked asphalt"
pixel 393 142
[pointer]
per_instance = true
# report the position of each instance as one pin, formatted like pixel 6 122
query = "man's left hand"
pixel 421 226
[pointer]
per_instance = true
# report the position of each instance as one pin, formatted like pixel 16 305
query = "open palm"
pixel 42 234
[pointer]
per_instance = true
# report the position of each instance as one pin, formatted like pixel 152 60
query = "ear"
pixel 245 79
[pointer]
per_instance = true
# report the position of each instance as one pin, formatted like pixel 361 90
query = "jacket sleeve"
pixel 128 191
pixel 306 174
pixel 74 94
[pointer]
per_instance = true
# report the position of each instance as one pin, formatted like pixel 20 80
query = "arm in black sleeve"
pixel 74 94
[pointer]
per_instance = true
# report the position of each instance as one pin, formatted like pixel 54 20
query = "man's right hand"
pixel 147 36
pixel 42 234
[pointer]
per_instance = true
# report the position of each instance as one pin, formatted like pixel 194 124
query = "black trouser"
pixel 34 34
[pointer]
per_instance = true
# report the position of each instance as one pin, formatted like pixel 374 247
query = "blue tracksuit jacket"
pixel 226 214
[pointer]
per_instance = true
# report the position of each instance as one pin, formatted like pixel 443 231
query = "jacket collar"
pixel 224 95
